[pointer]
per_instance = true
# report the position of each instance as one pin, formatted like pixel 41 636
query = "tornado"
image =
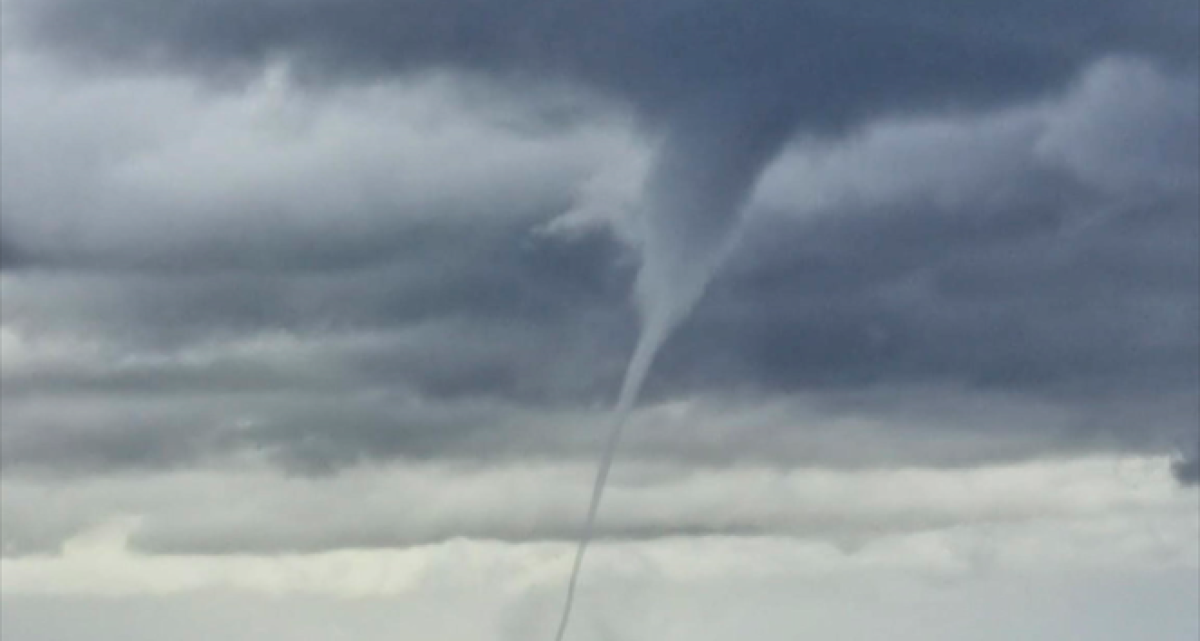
pixel 692 204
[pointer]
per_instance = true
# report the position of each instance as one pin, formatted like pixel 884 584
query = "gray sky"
pixel 298 290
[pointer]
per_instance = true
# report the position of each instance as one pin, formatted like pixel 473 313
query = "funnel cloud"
pixel 692 204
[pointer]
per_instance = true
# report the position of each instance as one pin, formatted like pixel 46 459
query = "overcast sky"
pixel 312 311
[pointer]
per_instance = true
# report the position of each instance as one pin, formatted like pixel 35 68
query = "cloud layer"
pixel 327 301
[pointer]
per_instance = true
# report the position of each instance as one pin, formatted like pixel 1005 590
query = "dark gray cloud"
pixel 836 61
pixel 206 289
pixel 1011 300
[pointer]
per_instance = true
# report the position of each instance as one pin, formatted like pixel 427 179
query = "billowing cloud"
pixel 257 257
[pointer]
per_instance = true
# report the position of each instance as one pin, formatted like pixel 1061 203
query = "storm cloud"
pixel 330 235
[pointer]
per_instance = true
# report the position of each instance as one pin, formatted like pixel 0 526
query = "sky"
pixel 312 313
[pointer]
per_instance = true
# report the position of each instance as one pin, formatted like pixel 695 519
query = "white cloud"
pixel 1099 549
pixel 159 163
pixel 254 510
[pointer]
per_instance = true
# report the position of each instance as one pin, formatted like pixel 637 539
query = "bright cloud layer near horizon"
pixel 311 313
